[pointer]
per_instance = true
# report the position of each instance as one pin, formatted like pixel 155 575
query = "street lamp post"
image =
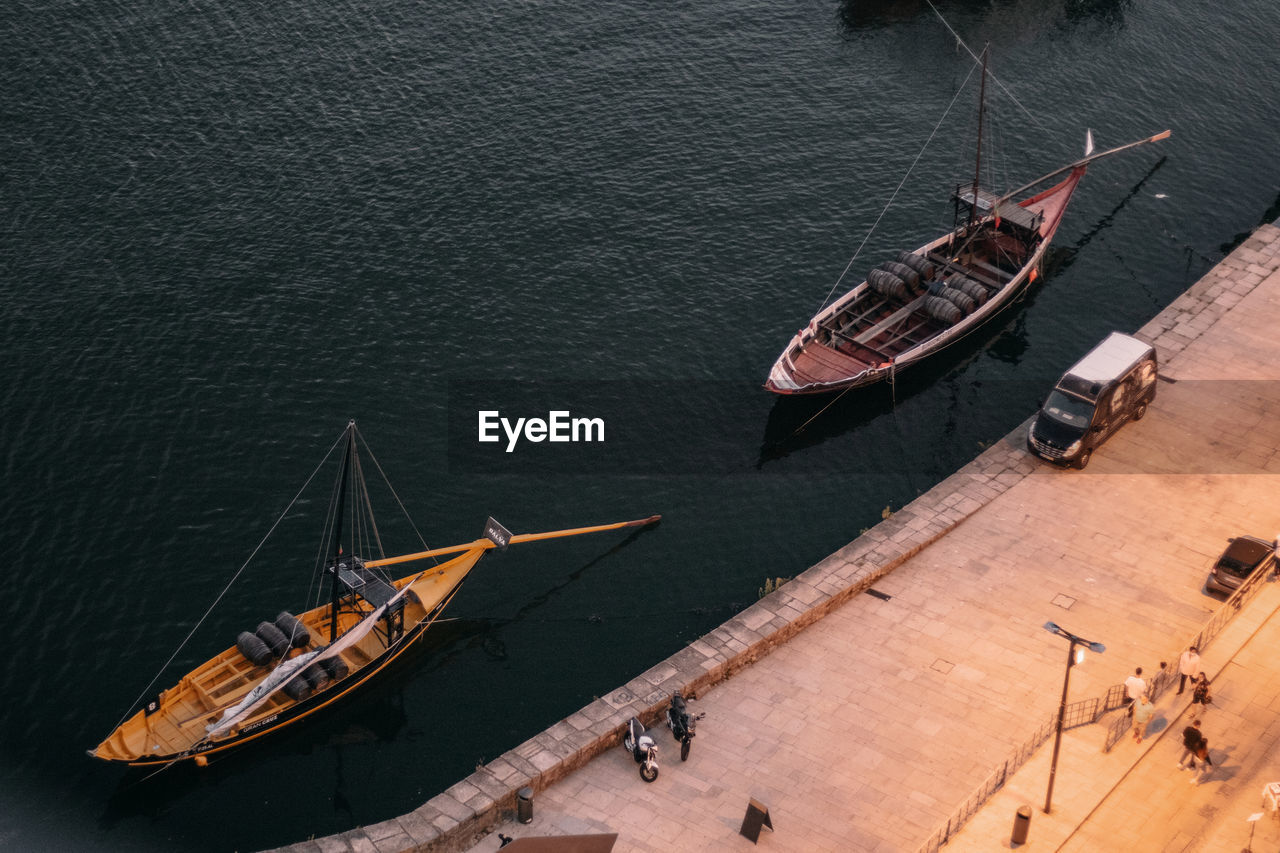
pixel 1073 641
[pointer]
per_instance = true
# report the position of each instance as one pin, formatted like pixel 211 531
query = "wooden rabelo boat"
pixel 920 302
pixel 293 666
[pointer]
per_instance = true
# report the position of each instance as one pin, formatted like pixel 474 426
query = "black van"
pixel 1113 383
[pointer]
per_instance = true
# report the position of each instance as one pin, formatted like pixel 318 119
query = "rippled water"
pixel 231 227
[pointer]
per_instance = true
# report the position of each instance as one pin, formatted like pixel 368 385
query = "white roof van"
pixel 1113 384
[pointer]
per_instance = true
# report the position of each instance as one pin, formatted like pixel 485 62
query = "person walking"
pixel 1188 665
pixel 1191 739
pixel 1200 693
pixel 1142 712
pixel 1134 687
pixel 1199 774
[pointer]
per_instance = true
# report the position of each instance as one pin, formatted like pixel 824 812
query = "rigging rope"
pixel 360 516
pixel 318 572
pixel 366 518
pixel 230 583
pixel 889 203
pixel 399 503
pixel 977 59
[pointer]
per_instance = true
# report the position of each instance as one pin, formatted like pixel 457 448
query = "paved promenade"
pixel 1135 798
pixel 862 721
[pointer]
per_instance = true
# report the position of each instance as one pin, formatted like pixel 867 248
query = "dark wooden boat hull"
pixel 865 337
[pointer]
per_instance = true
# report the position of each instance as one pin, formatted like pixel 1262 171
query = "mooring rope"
pixel 818 414
pixel 977 59
pixel 977 62
pixel 901 183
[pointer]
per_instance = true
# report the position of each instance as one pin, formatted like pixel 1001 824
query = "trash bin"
pixel 1021 825
pixel 524 805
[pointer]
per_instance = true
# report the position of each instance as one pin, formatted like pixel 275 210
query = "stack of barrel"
pixel 912 275
pixel 273 641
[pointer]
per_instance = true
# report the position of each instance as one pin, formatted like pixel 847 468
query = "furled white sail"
pixel 256 697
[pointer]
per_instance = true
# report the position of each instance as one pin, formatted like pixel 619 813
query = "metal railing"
pixel 1115 698
pixel 1118 727
pixel 1081 713
pixel 993 783
pixel 1087 711
pixel 1078 713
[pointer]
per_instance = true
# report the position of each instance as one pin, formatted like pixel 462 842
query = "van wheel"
pixel 1140 411
pixel 1084 459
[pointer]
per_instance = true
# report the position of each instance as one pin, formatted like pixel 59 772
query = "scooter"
pixel 640 744
pixel 682 723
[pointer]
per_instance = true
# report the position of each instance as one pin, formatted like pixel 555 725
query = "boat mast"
pixel 977 167
pixel 337 528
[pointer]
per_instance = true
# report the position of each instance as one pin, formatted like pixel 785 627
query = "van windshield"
pixel 1069 410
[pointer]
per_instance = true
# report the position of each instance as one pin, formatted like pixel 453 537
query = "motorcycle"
pixel 640 744
pixel 682 723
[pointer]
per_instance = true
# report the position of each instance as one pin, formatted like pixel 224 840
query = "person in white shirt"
pixel 1188 666
pixel 1134 687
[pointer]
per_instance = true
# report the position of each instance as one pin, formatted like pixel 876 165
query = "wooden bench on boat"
pixel 906 328
pixel 993 280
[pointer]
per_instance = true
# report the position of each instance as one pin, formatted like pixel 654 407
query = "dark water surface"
pixel 230 227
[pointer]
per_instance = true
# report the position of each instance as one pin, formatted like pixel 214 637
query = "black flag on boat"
pixel 496 533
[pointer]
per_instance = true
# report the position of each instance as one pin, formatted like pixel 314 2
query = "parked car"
pixel 1244 556
pixel 1112 385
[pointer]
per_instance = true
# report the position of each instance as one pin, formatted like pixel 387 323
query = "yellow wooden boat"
pixel 296 665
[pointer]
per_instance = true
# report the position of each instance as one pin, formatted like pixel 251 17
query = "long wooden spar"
pixel 1084 161
pixel 485 544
